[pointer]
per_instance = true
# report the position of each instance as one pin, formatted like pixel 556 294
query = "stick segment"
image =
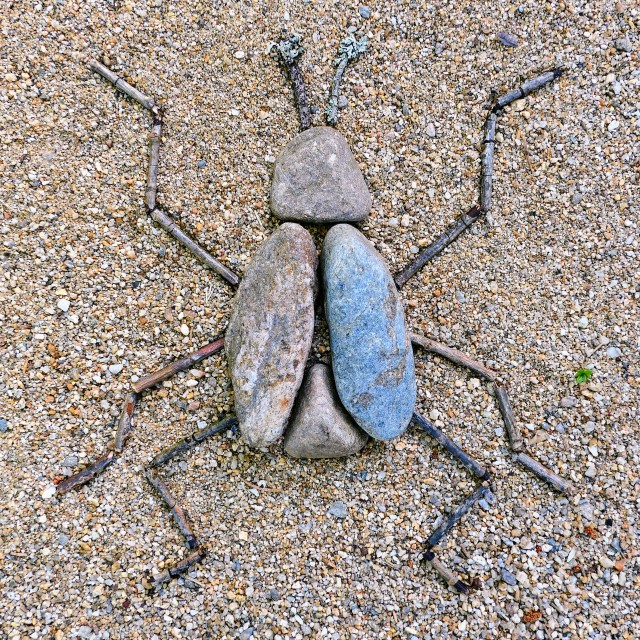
pixel 172 228
pixel 453 355
pixel 445 573
pixel 513 431
pixel 177 511
pixel 193 440
pixel 87 474
pixel 465 459
pixel 487 161
pixel 562 485
pixel 448 524
pixel 125 420
pixel 527 88
pixel 439 244
pixel 154 158
pixel 180 568
pixel 122 85
pixel 171 369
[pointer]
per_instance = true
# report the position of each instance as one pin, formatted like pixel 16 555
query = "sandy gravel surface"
pixel 548 285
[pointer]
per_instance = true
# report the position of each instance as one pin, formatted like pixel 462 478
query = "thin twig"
pixel 124 422
pixel 487 161
pixel 180 567
pixel 449 523
pixel 464 458
pixel 123 86
pixel 564 486
pixel 176 366
pixel 349 50
pixel 171 227
pixel 290 51
pixel 527 88
pixel 176 510
pixel 439 244
pixel 193 440
pixel 154 158
pixel 88 473
pixel 455 356
pixel 513 431
pixel 449 576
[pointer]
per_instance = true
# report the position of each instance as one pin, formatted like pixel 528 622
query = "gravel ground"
pixel 93 294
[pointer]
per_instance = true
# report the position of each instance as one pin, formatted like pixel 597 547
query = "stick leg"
pixel 177 511
pixel 290 51
pixel 453 355
pixel 193 440
pixel 150 196
pixel 464 458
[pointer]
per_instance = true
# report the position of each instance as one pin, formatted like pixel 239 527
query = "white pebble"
pixel 49 492
pixel 64 305
pixel 239 55
pixel 184 330
pixel 116 368
pixel 583 322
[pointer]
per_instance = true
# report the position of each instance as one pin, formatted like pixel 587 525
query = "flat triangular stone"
pixel 320 426
pixel 317 180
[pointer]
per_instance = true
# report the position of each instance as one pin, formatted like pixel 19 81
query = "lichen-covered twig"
pixel 350 49
pixel 176 510
pixel 171 227
pixel 449 576
pixel 193 440
pixel 180 568
pixel 124 422
pixel 448 524
pixel 486 161
pixel 527 88
pixel 154 157
pixel 290 51
pixel 562 485
pixel 439 244
pixel 176 366
pixel 123 86
pixel 464 458
pixel 455 356
pixel 88 473
pixel 515 438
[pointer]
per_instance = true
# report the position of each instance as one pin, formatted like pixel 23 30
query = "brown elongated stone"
pixel 270 332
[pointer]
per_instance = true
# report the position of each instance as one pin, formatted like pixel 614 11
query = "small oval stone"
pixel 317 180
pixel 371 353
pixel 270 331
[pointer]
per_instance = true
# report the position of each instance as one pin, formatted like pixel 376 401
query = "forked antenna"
pixel 350 50
pixel 290 50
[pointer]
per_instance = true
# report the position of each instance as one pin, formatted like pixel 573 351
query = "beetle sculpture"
pixel 370 388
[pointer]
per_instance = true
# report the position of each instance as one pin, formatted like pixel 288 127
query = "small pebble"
pixel 4 425
pixel 507 39
pixel 431 130
pixel 64 305
pixel 364 12
pixel 116 368
pixel 623 44
pixel 614 352
pixel 568 402
pixel 508 577
pixel 338 510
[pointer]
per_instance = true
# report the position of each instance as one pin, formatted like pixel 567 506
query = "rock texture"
pixel 317 180
pixel 270 332
pixel 320 426
pixel 370 349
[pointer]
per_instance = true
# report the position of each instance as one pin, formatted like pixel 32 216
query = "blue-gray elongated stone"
pixel 371 353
